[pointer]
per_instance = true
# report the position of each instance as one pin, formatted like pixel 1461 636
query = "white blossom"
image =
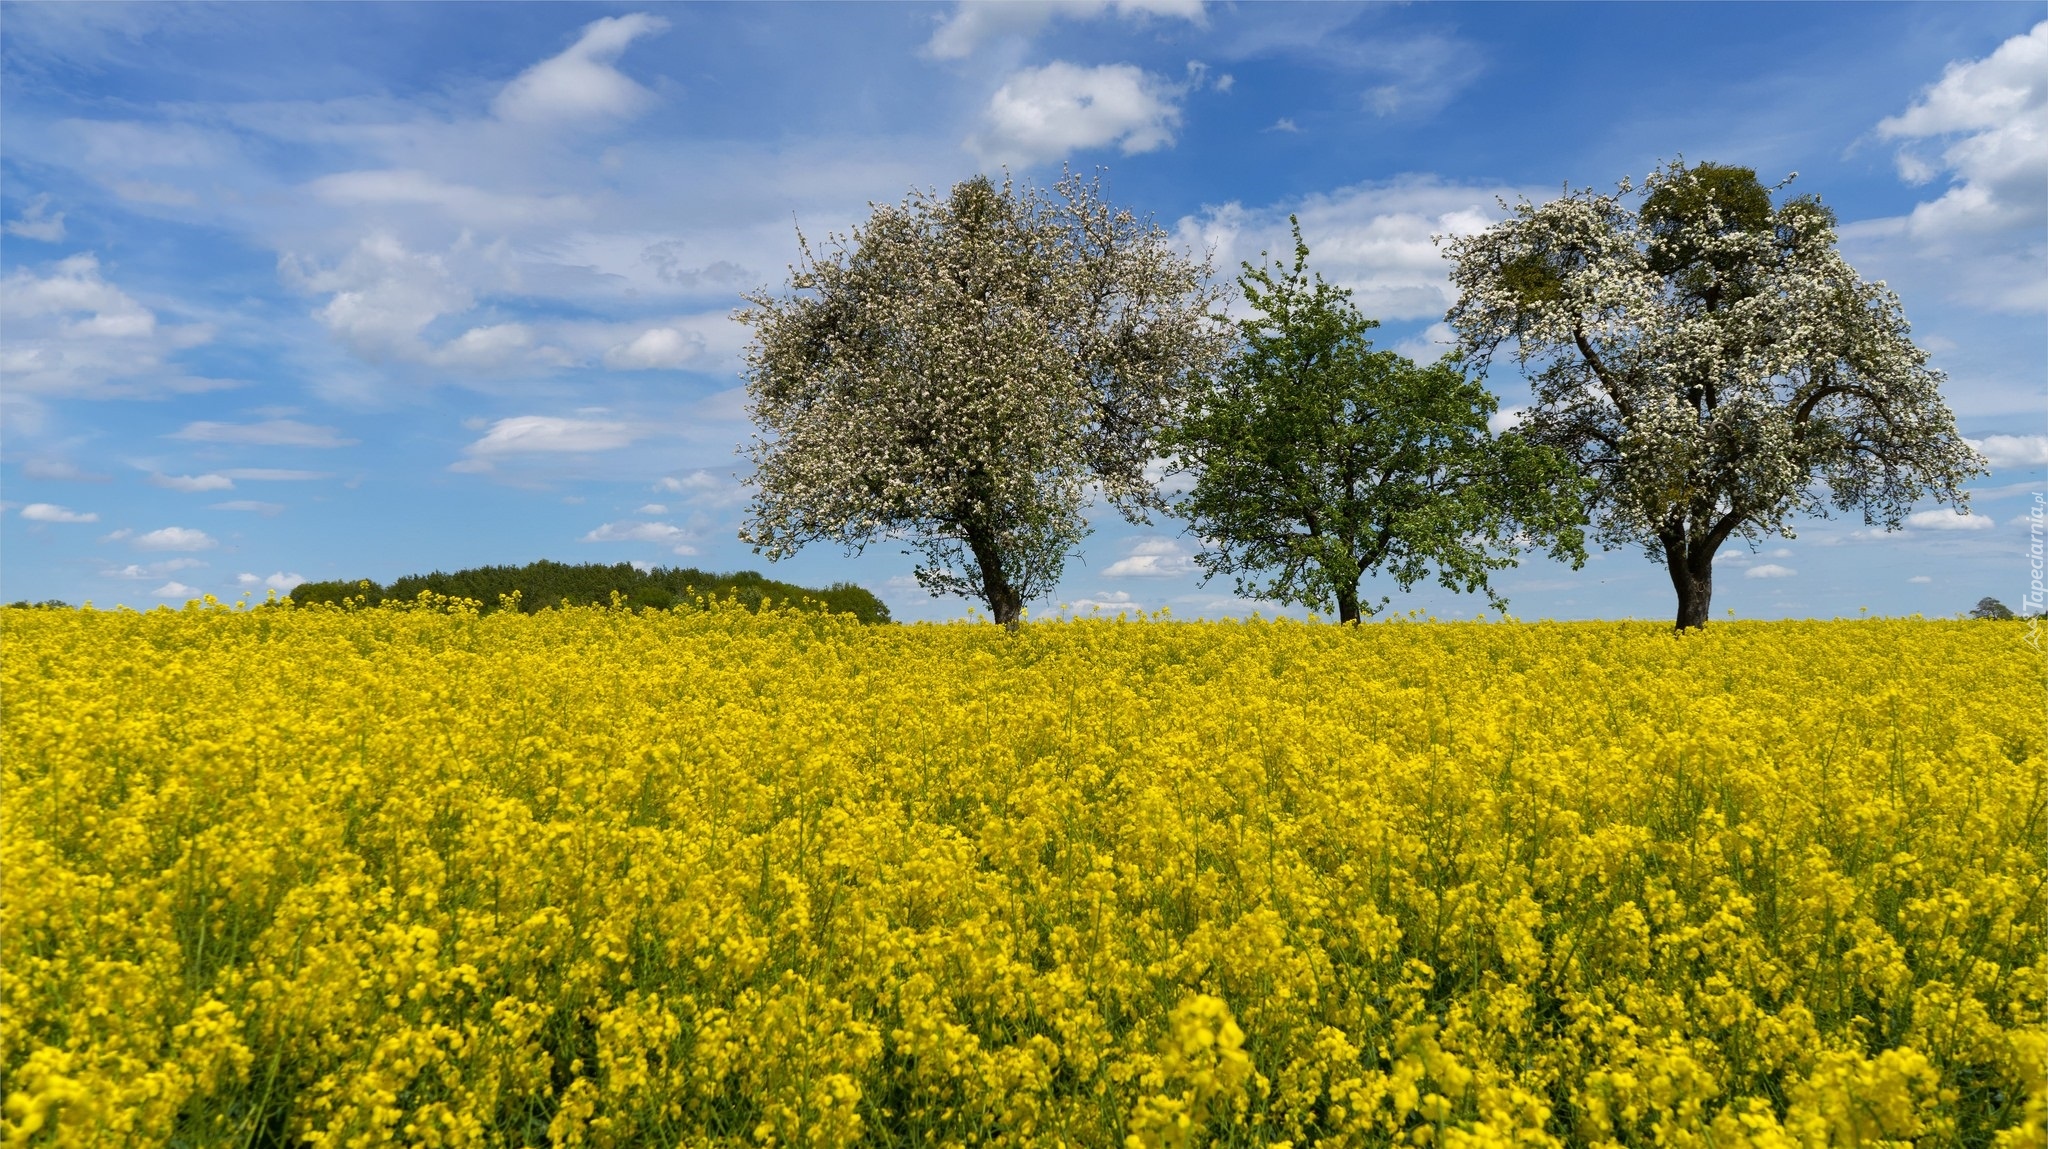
pixel 962 372
pixel 1714 376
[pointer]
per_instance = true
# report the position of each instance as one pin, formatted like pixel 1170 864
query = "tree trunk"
pixel 1347 604
pixel 1004 603
pixel 1692 576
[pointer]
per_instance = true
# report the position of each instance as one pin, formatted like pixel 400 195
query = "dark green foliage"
pixel 1991 608
pixel 1319 459
pixel 545 584
pixel 46 604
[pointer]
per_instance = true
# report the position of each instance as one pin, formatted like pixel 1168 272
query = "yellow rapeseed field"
pixel 418 876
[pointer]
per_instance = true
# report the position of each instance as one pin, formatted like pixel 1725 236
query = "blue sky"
pixel 323 291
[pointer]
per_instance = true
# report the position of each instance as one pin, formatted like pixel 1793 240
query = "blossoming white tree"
pixel 1711 363
pixel 964 373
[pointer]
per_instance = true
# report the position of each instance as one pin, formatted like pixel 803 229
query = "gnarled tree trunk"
pixel 1692 576
pixel 1005 604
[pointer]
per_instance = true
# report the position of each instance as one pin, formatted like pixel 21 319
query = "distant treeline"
pixel 545 584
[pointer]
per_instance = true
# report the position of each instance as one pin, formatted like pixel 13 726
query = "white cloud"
pixel 675 538
pixel 255 505
pixel 653 509
pixel 657 348
pixel 540 434
pixel 2010 451
pixel 1153 558
pixel 1506 419
pixel 1045 113
pixel 1992 117
pixel 72 333
pixel 1948 520
pixel 1373 238
pixel 1283 124
pixel 581 84
pixel 269 433
pixel 176 590
pixel 175 539
pixel 1105 602
pixel 1769 570
pixel 497 345
pixel 1983 126
pixel 704 489
pixel 52 513
pixel 975 23
pixel 383 296
pixel 278 582
pixel 1920 580
pixel 1430 344
pixel 37 222
pixel 152 570
pixel 192 482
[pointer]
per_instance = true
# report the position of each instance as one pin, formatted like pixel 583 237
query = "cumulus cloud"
pixel 2010 451
pixel 1506 419
pixel 1948 520
pixel 658 348
pixel 1045 113
pixel 70 332
pixel 1982 130
pixel 667 534
pixel 175 590
pixel 977 23
pixel 1769 570
pixel 192 482
pixel 175 539
pixel 1153 558
pixel 1374 238
pixel 52 513
pixel 38 222
pixel 268 433
pixel 280 581
pixel 1989 117
pixel 382 296
pixel 581 83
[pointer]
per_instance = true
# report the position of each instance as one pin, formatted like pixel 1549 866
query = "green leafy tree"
pixel 1317 459
pixel 963 374
pixel 544 585
pixel 1991 608
pixel 1711 363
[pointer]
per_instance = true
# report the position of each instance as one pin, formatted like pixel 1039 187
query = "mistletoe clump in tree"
pixel 1318 459
pixel 965 373
pixel 1710 363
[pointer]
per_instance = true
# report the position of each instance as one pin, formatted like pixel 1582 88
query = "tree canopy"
pixel 1318 459
pixel 963 373
pixel 1710 363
